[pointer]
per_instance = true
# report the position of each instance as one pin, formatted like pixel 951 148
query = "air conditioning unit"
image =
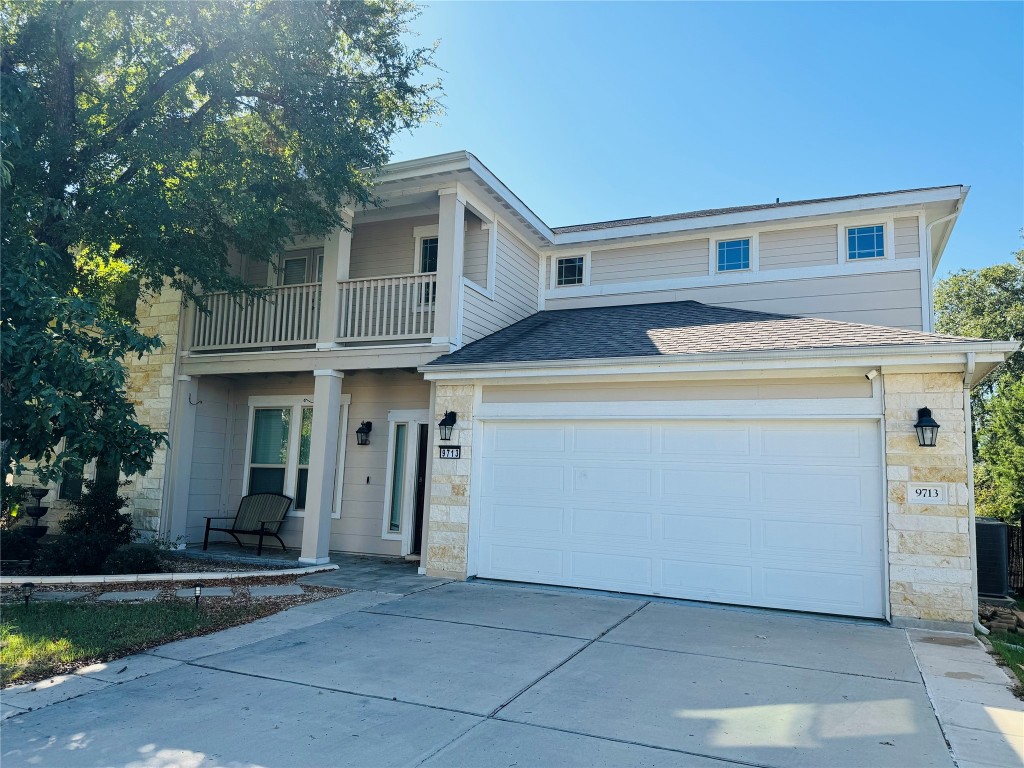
pixel 993 557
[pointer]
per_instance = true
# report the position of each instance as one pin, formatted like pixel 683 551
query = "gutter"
pixel 990 351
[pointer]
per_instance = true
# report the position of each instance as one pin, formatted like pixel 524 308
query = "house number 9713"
pixel 926 493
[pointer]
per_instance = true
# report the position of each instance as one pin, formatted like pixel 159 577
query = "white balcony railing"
pixel 283 316
pixel 387 308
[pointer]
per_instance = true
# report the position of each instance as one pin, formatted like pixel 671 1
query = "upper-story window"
pixel 305 265
pixel 733 255
pixel 569 271
pixel 428 254
pixel 865 242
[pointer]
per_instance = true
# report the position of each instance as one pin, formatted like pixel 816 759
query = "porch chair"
pixel 259 514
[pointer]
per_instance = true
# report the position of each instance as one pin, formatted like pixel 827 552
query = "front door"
pixel 421 487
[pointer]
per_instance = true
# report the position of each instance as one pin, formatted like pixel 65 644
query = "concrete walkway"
pixel 474 674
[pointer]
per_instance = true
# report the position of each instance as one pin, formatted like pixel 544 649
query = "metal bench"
pixel 259 514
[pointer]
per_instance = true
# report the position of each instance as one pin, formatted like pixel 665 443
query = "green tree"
pixel 141 144
pixel 989 303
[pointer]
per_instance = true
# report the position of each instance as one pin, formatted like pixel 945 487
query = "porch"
pixel 295 434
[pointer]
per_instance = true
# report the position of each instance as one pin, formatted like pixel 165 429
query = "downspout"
pixel 969 444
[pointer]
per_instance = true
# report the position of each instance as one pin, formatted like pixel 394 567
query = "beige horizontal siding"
pixel 767 389
pixel 474 260
pixel 515 290
pixel 649 262
pixel 804 247
pixel 884 298
pixel 908 241
pixel 384 248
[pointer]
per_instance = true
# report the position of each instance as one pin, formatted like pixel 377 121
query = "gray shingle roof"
pixel 720 211
pixel 673 328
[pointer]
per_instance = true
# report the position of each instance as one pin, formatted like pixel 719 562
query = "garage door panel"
pixel 830 539
pixel 815 488
pixel 708 580
pixel 824 591
pixel 702 530
pixel 515 477
pixel 691 440
pixel 523 517
pixel 610 523
pixel 612 571
pixel 711 511
pixel 687 484
pixel 525 439
pixel 632 440
pixel 514 561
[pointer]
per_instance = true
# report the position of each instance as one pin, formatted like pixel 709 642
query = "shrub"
pixel 96 527
pixel 17 544
pixel 133 558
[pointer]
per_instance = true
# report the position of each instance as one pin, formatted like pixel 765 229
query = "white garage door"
pixel 784 514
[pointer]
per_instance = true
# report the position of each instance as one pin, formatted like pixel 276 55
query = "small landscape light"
pixel 26 591
pixel 446 424
pixel 199 593
pixel 927 428
pixel 363 433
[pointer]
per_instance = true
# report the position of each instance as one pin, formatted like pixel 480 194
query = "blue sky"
pixel 602 110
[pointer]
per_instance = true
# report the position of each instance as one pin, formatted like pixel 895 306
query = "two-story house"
pixel 717 405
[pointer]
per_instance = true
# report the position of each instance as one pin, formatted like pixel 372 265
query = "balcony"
pixel 370 311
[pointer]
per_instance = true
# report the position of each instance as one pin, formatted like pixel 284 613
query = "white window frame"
pixel 888 239
pixel 752 244
pixel 555 258
pixel 291 472
pixel 275 277
pixel 412 419
pixel 419 234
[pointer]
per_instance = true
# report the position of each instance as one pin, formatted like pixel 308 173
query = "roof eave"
pixel 852 205
pixel 987 356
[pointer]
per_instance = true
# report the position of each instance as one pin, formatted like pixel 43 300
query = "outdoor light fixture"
pixel 927 428
pixel 199 593
pixel 446 424
pixel 26 591
pixel 363 433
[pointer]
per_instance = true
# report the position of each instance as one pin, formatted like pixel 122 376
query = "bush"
pixel 96 527
pixel 17 544
pixel 133 558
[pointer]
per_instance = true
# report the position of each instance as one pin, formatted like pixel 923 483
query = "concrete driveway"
pixel 476 674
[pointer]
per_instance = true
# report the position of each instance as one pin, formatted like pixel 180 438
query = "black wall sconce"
pixel 363 433
pixel 446 424
pixel 927 428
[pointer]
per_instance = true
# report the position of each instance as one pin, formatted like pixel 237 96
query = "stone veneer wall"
pixel 150 386
pixel 448 530
pixel 930 569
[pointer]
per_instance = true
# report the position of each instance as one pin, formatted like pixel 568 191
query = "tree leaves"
pixel 161 140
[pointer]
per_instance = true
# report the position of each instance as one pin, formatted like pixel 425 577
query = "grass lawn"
pixel 46 639
pixel 1004 643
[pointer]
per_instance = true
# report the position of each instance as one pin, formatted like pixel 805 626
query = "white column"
pixel 450 239
pixel 178 469
pixel 337 259
pixel 323 467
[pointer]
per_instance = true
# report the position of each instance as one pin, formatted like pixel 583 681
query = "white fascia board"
pixel 421 166
pixel 954 353
pixel 521 208
pixel 852 205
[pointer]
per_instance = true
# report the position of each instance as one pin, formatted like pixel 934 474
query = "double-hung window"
pixel 733 255
pixel 865 242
